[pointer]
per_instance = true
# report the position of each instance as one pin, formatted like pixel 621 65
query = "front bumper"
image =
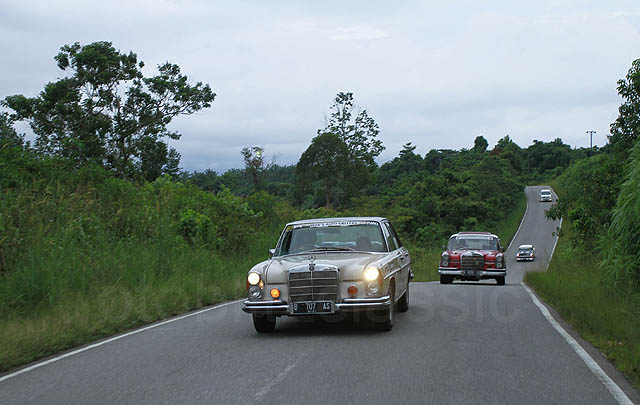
pixel 448 271
pixel 346 305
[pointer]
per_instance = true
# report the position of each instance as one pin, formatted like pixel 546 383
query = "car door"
pixel 400 259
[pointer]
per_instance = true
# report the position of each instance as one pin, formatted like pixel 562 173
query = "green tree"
pixel 8 135
pixel 480 144
pixel 356 129
pixel 321 170
pixel 626 129
pixel 105 111
pixel 254 163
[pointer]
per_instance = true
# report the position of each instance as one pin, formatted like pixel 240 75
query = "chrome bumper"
pixel 446 271
pixel 346 305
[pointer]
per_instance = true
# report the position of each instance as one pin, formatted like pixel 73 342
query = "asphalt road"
pixel 460 343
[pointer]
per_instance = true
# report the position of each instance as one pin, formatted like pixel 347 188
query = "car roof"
pixel 546 190
pixel 525 247
pixel 339 219
pixel 473 233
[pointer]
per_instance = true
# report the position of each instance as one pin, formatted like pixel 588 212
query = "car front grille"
pixel 472 262
pixel 317 285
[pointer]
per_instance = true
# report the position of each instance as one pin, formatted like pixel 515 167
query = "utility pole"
pixel 591 143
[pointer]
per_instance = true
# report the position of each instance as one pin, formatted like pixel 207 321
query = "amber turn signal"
pixel 275 293
pixel 352 290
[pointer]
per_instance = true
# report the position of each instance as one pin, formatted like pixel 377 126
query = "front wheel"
pixel 500 280
pixel 446 279
pixel 264 323
pixel 403 302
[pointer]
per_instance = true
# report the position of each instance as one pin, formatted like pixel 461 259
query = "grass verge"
pixel 574 286
pixel 425 259
pixel 161 286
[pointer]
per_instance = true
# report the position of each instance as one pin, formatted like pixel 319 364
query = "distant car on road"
pixel 545 195
pixel 526 253
pixel 331 265
pixel 473 256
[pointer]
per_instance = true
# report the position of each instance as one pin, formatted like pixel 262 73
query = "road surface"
pixel 471 342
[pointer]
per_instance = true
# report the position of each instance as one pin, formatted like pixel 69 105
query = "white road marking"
pixel 519 226
pixel 264 390
pixel 554 244
pixel 613 388
pixel 104 342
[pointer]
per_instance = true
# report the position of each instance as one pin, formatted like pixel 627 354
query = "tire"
pixel 446 279
pixel 384 318
pixel 264 323
pixel 403 302
pixel 500 280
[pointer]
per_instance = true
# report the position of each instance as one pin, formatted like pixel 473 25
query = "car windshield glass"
pixel 473 242
pixel 338 236
pixel 545 193
pixel 524 250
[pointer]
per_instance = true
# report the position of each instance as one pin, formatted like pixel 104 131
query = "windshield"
pixel 473 242
pixel 545 192
pixel 346 235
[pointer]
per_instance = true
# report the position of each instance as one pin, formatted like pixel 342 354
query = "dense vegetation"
pixel 99 231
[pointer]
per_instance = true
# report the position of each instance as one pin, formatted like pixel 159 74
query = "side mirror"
pixel 501 250
pixel 271 252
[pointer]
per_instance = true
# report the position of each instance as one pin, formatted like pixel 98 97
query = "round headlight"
pixel 444 260
pixel 371 273
pixel 373 287
pixel 255 292
pixel 253 278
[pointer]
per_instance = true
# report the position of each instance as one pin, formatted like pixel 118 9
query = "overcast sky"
pixel 435 73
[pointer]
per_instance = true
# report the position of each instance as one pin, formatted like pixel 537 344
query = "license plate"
pixel 315 307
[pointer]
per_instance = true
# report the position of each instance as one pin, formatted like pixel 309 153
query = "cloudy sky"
pixel 435 73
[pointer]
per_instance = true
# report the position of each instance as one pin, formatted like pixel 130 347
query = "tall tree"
pixel 254 162
pixel 625 131
pixel 107 112
pixel 321 170
pixel 356 129
pixel 480 144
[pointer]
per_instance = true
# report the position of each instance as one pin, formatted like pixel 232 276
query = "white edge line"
pixel 613 388
pixel 521 222
pixel 554 244
pixel 104 342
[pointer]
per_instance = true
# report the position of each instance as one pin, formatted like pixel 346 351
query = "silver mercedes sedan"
pixel 326 266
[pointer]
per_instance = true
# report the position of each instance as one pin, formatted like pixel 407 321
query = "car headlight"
pixel 371 273
pixel 444 261
pixel 255 292
pixel 253 278
pixel 373 287
pixel 499 261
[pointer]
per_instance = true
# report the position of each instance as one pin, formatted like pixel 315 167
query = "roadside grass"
pixel 425 260
pixel 120 287
pixel 575 285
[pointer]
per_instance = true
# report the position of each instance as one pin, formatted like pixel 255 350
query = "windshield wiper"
pixel 327 248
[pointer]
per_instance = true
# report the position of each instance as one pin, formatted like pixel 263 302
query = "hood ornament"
pixel 312 259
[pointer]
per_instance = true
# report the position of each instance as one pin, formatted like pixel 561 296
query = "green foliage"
pixel 254 163
pixel 322 171
pixel 625 131
pixel 621 246
pixel 106 112
pixel 589 189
